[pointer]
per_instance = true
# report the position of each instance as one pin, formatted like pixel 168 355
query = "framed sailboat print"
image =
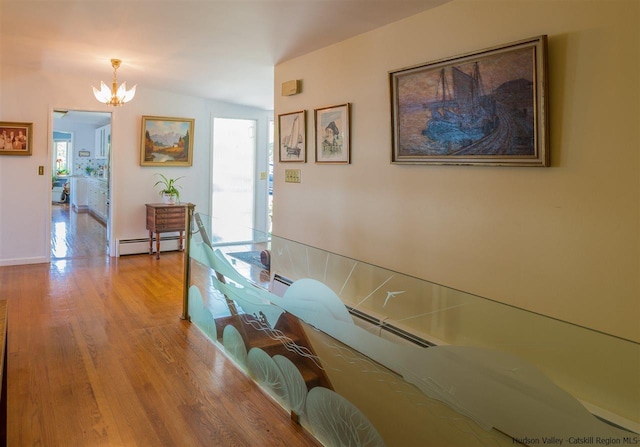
pixel 483 108
pixel 292 135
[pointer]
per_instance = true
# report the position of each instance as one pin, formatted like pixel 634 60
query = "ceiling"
pixel 219 49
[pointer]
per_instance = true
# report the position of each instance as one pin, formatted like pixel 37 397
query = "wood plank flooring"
pixel 98 356
pixel 76 235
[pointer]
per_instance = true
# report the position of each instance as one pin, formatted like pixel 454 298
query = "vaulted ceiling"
pixel 224 50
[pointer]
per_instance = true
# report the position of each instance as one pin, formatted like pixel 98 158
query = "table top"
pixel 168 205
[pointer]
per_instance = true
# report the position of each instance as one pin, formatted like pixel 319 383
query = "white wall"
pixel 30 96
pixel 562 241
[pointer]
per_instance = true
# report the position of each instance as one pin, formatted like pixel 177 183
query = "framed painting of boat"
pixel 15 138
pixel 333 134
pixel 166 141
pixel 292 134
pixel 483 108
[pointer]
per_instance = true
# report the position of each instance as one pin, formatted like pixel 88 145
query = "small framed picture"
pixel 292 131
pixel 15 138
pixel 333 134
pixel 166 141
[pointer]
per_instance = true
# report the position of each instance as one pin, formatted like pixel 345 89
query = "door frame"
pixel 110 250
pixel 260 167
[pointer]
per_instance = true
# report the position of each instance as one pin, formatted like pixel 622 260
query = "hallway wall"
pixel 562 241
pixel 31 96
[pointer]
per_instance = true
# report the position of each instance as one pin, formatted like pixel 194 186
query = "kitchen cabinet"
pixel 98 198
pixel 103 142
pixel 90 195
pixel 79 199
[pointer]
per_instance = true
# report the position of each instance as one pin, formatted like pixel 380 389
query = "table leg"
pixel 180 239
pixel 157 245
pixel 150 242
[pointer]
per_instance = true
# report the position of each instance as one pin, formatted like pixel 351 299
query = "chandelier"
pixel 114 96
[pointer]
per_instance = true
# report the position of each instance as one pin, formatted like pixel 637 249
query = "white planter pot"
pixel 169 199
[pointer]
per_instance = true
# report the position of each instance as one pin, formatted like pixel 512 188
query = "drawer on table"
pixel 179 220
pixel 170 211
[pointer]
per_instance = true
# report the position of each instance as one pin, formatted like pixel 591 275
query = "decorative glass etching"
pixel 361 355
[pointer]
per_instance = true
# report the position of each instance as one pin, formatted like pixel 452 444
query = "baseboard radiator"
pixel 279 285
pixel 141 245
pixel 376 326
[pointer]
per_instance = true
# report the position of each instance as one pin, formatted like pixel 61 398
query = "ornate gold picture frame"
pixel 166 141
pixel 16 138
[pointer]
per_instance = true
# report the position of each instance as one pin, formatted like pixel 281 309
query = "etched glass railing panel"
pixel 361 355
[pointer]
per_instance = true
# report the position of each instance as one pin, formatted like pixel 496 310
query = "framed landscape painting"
pixel 166 141
pixel 483 108
pixel 15 138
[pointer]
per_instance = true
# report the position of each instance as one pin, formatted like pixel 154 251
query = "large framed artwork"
pixel 333 134
pixel 483 108
pixel 16 138
pixel 292 131
pixel 166 141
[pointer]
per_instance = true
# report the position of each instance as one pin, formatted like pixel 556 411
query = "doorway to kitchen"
pixel 80 192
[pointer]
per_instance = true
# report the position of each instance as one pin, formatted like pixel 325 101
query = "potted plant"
pixel 169 190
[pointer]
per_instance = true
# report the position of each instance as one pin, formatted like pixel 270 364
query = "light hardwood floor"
pixel 98 356
pixel 76 235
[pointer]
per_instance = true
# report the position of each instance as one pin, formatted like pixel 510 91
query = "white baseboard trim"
pixel 139 246
pixel 23 261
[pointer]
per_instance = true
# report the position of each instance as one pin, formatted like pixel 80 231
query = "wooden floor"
pixel 98 356
pixel 76 235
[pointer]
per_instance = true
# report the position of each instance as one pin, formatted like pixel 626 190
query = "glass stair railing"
pixel 364 356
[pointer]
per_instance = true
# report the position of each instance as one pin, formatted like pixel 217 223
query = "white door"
pixel 233 177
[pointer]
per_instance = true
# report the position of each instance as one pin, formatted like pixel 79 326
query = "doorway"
pixel 233 174
pixel 81 144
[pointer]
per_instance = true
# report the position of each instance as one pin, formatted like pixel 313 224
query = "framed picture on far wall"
pixel 292 132
pixel 483 108
pixel 333 134
pixel 15 138
pixel 166 141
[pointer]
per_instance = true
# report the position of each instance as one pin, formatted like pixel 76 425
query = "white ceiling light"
pixel 116 96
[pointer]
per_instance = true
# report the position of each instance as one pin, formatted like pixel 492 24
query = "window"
pixel 61 153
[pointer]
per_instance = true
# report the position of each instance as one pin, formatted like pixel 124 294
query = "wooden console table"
pixel 164 218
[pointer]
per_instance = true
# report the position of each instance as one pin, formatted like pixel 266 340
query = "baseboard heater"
pixel 280 284
pixel 141 245
pixel 390 329
pixel 364 320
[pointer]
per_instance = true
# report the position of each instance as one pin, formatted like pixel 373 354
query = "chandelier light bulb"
pixel 114 96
